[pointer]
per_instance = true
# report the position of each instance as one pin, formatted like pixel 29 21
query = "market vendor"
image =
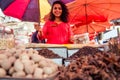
pixel 37 35
pixel 57 29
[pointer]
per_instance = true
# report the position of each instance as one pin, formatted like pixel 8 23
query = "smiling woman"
pixel 57 30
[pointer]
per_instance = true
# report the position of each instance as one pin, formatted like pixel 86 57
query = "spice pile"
pixel 48 53
pixel 100 66
pixel 87 50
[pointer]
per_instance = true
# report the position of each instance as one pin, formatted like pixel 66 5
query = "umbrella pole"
pixel 86 16
pixel 39 11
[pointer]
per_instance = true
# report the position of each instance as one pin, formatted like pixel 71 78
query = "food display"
pixel 19 62
pixel 87 63
pixel 48 53
pixel 86 50
pixel 51 54
pixel 100 66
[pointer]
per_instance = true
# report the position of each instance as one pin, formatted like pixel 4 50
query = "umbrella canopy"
pixel 94 28
pixel 17 8
pixel 44 9
pixel 32 12
pixel 6 3
pixel 23 10
pixel 87 12
pixel 99 27
pixel 26 10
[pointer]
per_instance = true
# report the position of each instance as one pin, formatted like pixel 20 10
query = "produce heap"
pixel 87 50
pixel 25 63
pixel 48 53
pixel 92 67
pixel 91 64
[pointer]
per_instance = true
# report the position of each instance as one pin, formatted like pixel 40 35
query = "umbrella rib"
pixel 94 11
pixel 76 14
pixel 91 27
pixel 86 17
pixel 76 6
pixel 106 3
pixel 92 4
pixel 97 25
pixel 39 11
pixel 110 10
pixel 100 25
pixel 105 9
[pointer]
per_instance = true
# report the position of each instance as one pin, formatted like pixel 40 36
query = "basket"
pixel 81 38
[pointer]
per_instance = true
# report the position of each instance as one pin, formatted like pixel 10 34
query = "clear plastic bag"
pixel 81 38
pixel 6 38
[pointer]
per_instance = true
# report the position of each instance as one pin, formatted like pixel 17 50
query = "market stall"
pixel 85 59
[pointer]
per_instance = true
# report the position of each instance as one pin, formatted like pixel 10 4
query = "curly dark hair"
pixel 64 15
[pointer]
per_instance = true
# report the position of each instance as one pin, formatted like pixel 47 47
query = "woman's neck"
pixel 57 20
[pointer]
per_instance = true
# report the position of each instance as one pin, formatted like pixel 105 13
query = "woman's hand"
pixel 72 39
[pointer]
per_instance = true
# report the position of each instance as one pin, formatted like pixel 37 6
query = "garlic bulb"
pixel 2 72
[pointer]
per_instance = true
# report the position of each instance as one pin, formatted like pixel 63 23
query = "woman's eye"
pixel 60 8
pixel 57 8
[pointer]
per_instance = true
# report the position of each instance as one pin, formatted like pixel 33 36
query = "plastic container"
pixel 81 38
pixel 21 35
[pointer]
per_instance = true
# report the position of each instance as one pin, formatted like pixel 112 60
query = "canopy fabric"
pixel 44 9
pixel 86 8
pixel 17 8
pixel 32 12
pixel 51 1
pixel 92 27
pixel 6 3
pixel 86 12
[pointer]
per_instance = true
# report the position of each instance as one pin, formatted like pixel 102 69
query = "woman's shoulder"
pixel 48 23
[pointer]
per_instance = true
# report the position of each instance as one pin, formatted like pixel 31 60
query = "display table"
pixel 64 50
pixel 69 46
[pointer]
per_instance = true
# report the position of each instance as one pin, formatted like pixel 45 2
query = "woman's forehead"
pixel 58 5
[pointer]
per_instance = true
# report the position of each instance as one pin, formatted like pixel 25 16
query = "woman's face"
pixel 57 10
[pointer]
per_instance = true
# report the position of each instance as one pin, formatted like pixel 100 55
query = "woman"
pixel 57 30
